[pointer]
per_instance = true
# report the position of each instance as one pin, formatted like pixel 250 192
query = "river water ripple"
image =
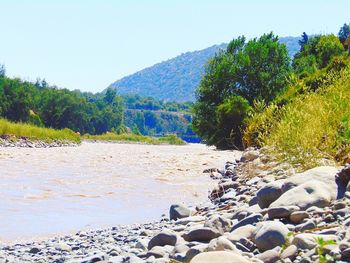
pixel 45 192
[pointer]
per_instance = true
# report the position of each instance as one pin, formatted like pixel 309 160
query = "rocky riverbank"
pixel 260 211
pixel 23 142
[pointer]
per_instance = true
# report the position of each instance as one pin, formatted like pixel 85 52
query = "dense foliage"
pixel 246 71
pixel 45 106
pixel 177 78
pixel 309 121
pixel 58 108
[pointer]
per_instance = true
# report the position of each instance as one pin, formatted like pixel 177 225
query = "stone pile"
pixel 28 143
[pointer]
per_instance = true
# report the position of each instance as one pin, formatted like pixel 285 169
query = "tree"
pixel 328 47
pixel 316 54
pixel 2 71
pixel 303 41
pixel 110 95
pixel 344 32
pixel 254 70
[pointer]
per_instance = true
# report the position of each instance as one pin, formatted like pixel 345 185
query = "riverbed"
pixel 56 191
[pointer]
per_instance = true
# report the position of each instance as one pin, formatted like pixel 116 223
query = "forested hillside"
pixel 177 78
pixel 49 106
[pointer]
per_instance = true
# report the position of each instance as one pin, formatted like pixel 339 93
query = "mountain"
pixel 176 79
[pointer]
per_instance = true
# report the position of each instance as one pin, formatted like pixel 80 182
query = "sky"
pixel 88 44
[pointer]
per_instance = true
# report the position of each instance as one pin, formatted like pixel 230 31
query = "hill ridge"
pixel 175 79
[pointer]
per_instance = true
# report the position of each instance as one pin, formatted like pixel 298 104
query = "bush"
pixel 309 128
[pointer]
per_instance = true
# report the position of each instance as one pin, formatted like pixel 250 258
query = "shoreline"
pixel 254 207
pixel 8 141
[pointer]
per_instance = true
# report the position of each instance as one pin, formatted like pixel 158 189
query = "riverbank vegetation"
pixel 254 97
pixel 24 130
pixel 48 106
pixel 135 138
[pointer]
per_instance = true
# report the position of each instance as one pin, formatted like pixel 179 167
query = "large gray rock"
pixel 269 193
pixel 325 174
pixel 221 244
pixel 202 234
pixel 270 234
pixel 247 231
pixel 219 257
pixel 166 237
pixel 219 223
pixel 318 182
pixel 308 194
pixel 179 211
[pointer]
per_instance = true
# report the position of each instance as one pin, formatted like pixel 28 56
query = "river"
pixel 55 191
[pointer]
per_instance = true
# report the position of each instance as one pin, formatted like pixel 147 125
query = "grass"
pixel 17 130
pixel 311 127
pixel 110 136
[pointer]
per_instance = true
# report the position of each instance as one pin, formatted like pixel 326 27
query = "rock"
pixel 342 180
pixel 340 205
pixel 195 250
pixel 34 250
pixel 142 243
pixel 308 194
pixel 324 174
pixel 269 256
pixel 221 244
pixel 344 245
pixel 190 219
pixel 159 252
pixel 249 156
pixel 202 234
pixel 345 254
pixel 281 212
pixel 246 231
pixel 219 257
pixel 308 240
pixel 249 220
pixel 347 222
pixel 180 248
pixel 63 247
pixel 94 258
pixel 219 223
pixel 290 252
pixel 178 211
pixel 309 224
pixel 211 170
pixel 298 216
pixel 166 237
pixel 270 234
pixel 222 188
pixel 269 193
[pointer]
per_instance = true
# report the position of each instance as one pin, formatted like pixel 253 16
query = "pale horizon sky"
pixel 89 44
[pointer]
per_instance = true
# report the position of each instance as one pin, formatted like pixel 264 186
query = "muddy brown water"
pixel 55 191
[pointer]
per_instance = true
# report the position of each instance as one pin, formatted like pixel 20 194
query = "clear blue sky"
pixel 86 45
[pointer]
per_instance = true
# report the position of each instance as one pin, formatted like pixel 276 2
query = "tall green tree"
pixel 344 32
pixel 254 70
